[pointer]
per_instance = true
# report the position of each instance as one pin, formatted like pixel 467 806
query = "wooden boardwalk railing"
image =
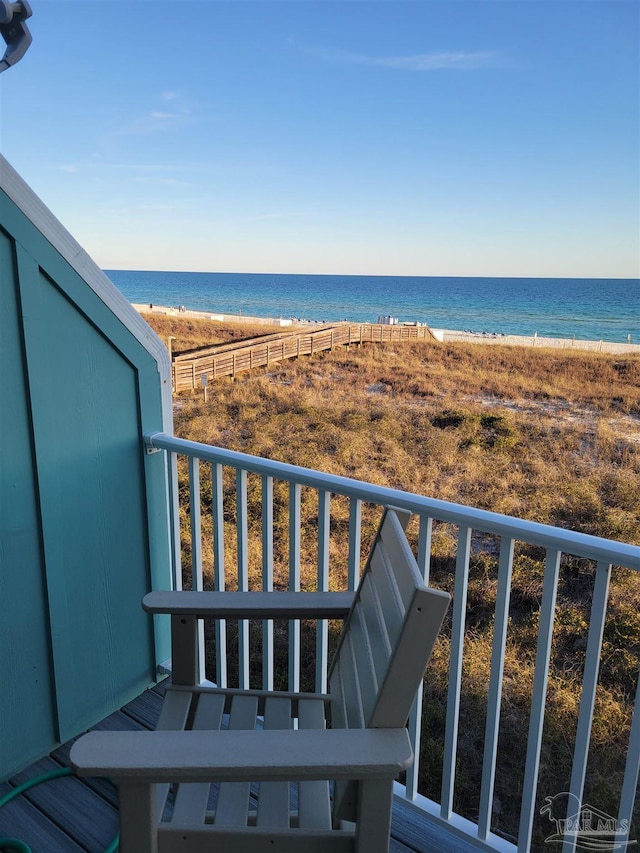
pixel 195 368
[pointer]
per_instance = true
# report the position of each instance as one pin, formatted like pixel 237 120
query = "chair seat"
pixel 273 805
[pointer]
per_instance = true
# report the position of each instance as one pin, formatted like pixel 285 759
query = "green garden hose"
pixel 15 792
pixel 113 847
pixel 12 845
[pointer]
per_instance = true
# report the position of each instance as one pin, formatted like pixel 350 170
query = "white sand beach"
pixel 536 340
pixel 181 311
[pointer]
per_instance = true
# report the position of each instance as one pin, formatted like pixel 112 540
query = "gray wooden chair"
pixel 282 741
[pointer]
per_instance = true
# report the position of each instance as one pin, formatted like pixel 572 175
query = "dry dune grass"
pixel 190 333
pixel 548 437
pixel 544 435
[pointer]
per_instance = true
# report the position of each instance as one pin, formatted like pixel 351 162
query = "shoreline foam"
pixel 443 335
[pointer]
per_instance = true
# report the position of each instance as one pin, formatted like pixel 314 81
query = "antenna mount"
pixel 14 31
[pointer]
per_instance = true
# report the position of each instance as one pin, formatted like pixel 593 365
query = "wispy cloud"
pixel 294 214
pixel 153 122
pixel 156 208
pixel 161 181
pixel 170 175
pixel 159 118
pixel 152 168
pixel 453 60
pixel 434 61
pixel 158 114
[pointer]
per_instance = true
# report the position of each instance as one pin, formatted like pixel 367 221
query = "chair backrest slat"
pixel 378 637
pixel 363 659
pixel 339 715
pixel 399 560
pixel 347 674
pixel 388 636
pixel 386 642
pixel 409 658
pixel 386 590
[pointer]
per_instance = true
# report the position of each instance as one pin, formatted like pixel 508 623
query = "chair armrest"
pixel 251 605
pixel 227 756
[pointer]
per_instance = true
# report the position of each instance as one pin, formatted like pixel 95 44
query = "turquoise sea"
pixel 589 309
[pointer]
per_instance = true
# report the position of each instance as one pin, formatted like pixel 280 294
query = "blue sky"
pixel 492 137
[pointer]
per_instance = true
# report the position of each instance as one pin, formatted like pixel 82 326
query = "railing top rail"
pixel 535 533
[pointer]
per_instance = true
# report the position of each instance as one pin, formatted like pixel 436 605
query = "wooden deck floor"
pixel 69 815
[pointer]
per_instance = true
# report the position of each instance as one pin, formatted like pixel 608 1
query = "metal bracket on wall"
pixel 148 444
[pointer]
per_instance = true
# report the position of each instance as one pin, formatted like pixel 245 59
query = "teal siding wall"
pixel 26 677
pixel 83 526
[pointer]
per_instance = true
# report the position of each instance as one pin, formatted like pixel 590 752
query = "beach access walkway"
pixel 196 368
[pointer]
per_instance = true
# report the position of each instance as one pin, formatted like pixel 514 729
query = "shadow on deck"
pixel 69 815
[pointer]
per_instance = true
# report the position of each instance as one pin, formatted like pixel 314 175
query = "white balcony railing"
pixel 243 516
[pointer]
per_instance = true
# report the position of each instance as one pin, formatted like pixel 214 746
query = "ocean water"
pixel 587 309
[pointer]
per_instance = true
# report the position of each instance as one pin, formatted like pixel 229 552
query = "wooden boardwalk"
pixel 69 815
pixel 194 368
